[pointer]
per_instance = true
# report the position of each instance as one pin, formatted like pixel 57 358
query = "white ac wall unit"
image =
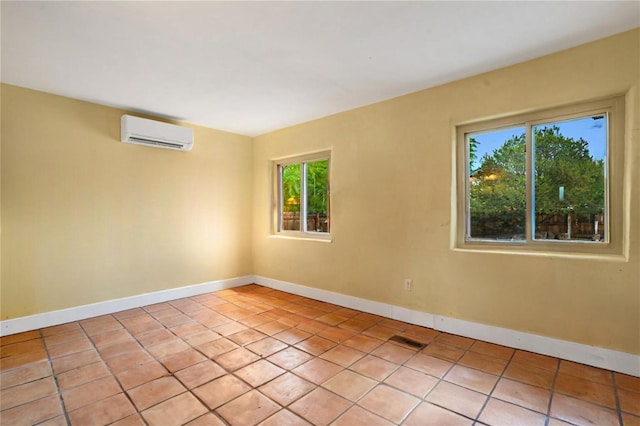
pixel 141 131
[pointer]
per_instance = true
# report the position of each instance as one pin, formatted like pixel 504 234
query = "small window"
pixel 547 181
pixel 302 195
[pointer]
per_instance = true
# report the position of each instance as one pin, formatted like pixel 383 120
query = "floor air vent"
pixel 407 342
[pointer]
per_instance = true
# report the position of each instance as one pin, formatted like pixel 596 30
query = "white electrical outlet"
pixel 408 284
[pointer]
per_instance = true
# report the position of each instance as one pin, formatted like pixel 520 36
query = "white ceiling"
pixel 253 67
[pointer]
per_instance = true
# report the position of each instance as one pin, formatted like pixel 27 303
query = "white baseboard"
pixel 383 309
pixel 77 313
pixel 621 362
pixel 598 357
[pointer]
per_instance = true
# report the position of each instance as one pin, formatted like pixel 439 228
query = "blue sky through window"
pixel 492 140
pixel 593 130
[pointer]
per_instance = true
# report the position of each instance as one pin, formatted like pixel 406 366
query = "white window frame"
pixel 278 201
pixel 614 172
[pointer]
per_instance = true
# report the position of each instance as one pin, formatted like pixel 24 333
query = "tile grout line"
pixel 171 374
pixel 55 378
pixel 380 382
pixel 500 377
pixel 316 333
pixel 145 349
pixel 440 379
pixel 615 391
pixel 423 399
pixel 124 327
pixel 233 372
pixel 486 401
pixel 319 386
pixel 204 404
pixel 552 394
pixel 109 368
pixel 227 371
pixel 316 386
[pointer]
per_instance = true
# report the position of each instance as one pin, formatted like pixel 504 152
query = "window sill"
pixel 300 236
pixel 523 251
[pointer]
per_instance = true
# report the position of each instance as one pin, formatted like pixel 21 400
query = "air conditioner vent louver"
pixel 141 131
pixel 152 142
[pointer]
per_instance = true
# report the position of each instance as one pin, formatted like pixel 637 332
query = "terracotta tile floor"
pixel 252 355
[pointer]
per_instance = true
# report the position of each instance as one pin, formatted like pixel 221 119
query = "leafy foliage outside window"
pixel 568 183
pixel 317 187
pixel 565 165
pixel 291 188
pixel 305 191
pixel 497 192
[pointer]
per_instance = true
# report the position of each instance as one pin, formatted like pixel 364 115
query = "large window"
pixel 549 180
pixel 302 195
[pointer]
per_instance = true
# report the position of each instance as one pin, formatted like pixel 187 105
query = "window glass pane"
pixel 569 184
pixel 497 184
pixel 318 196
pixel 290 208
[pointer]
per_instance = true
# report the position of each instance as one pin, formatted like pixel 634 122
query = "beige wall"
pixel 392 217
pixel 86 218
